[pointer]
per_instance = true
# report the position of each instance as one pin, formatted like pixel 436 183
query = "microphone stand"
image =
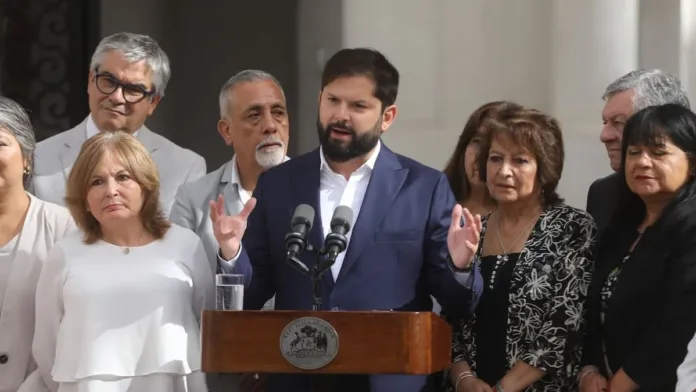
pixel 321 265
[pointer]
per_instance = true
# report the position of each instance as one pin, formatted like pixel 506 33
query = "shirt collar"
pixel 92 129
pixel 368 165
pixel 234 176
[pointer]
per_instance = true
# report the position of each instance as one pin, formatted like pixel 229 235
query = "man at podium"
pixel 407 240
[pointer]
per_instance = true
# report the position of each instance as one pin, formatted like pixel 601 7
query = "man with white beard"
pixel 253 121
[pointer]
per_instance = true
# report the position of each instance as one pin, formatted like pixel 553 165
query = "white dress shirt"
pixel 92 129
pixel 335 190
pixel 243 194
pixel 236 180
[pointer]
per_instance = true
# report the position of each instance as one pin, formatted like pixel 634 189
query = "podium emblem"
pixel 309 343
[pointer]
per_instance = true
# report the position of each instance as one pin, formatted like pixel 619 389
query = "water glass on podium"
pixel 230 291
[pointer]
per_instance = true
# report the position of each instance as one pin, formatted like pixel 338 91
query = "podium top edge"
pixel 319 312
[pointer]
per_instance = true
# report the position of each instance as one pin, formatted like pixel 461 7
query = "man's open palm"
pixel 229 230
pixel 463 240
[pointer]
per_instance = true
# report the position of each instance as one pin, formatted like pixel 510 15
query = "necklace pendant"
pixel 126 251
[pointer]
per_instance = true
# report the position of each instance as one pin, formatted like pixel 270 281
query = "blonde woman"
pixel 120 302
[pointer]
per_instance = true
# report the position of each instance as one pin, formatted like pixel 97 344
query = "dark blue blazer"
pixel 395 260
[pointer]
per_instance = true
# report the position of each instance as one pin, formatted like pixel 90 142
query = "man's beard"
pixel 359 145
pixel 272 155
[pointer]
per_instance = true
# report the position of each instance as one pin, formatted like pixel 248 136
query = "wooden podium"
pixel 353 343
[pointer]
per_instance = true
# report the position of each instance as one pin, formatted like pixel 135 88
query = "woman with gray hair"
pixel 28 229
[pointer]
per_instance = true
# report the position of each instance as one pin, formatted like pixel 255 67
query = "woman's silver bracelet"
pixel 586 371
pixel 461 377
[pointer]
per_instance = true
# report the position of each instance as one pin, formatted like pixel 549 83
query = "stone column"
pixel 593 42
pixel 453 56
pixel 687 48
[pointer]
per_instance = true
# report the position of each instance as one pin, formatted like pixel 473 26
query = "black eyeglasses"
pixel 107 84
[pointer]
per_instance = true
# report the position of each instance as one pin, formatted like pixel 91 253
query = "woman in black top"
pixel 641 301
pixel 535 255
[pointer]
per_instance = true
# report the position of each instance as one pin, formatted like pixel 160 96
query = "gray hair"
pixel 136 47
pixel 15 121
pixel 248 75
pixel 651 87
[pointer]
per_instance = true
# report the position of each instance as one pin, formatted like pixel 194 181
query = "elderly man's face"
pixel 257 125
pixel 617 110
pixel 114 107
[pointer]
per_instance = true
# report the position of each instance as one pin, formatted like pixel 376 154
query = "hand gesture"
pixel 473 384
pixel 463 241
pixel 229 230
pixel 593 382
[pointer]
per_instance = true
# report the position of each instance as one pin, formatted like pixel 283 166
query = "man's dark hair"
pixel 364 62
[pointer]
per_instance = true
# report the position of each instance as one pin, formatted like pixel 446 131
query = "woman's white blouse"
pixel 22 260
pixel 105 311
pixel 7 256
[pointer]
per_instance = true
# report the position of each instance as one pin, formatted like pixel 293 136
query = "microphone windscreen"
pixel 343 215
pixel 304 213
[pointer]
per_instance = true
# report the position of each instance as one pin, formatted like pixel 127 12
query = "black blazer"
pixel 602 198
pixel 651 317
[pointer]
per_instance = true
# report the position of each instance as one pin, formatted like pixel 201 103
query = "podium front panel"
pixel 325 342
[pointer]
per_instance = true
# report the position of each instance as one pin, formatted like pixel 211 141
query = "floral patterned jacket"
pixel 546 314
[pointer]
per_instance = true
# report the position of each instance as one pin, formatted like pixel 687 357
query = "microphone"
pixel 336 242
pixel 301 224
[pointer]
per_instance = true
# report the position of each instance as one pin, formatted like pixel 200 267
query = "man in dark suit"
pixel 628 94
pixel 407 241
pixel 601 199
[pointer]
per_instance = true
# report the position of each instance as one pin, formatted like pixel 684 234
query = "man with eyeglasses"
pixel 127 79
pixel 626 95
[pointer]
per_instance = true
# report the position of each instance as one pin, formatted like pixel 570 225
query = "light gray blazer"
pixel 44 224
pixel 55 156
pixel 192 209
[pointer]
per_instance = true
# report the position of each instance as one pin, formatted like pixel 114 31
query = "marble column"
pixel 593 42
pixel 687 47
pixel 660 35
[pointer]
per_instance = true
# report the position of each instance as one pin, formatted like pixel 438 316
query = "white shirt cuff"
pixel 228 264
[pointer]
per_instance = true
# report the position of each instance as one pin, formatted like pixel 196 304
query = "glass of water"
pixel 230 291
